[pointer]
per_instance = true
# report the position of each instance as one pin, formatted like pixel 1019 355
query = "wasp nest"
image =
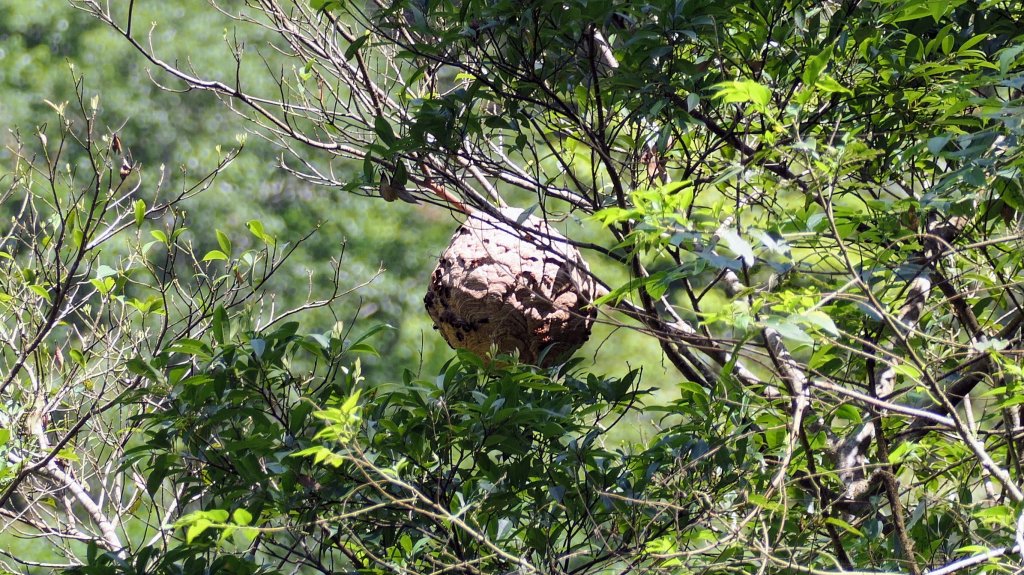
pixel 521 288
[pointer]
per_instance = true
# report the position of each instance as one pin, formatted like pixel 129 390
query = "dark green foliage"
pixel 520 457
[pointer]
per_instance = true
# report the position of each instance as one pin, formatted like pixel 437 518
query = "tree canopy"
pixel 813 210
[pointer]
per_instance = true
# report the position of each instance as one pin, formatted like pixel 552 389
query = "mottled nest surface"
pixel 521 288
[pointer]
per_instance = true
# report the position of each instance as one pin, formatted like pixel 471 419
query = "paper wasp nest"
pixel 519 289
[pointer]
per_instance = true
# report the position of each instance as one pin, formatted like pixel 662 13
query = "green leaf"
pixel 902 452
pixel 972 549
pixel 326 5
pixel 196 529
pixel 740 91
pixel 849 413
pixel 242 517
pixel 815 65
pixel 908 371
pixel 215 255
pixel 820 320
pixel 936 144
pixel 1007 56
pixel 258 345
pixel 844 526
pixel 364 348
pixel 140 211
pixel 141 367
pixel 152 304
pixel 104 286
pixel 256 229
pixel 997 514
pixel 738 246
pixel 45 294
pixel 764 503
pixel 369 172
pixel 223 241
pixel 219 324
pixel 401 176
pixel 216 515
pixel 354 47
pixel 201 379
pixel 247 534
pixel 351 403
pixel 829 84
pixel 383 130
pixel 972 43
pixel 789 330
pixel 917 9
pixel 191 347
